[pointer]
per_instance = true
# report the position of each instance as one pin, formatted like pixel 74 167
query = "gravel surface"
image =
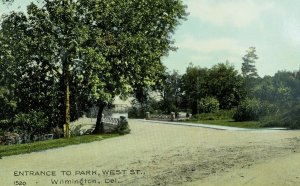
pixel 159 154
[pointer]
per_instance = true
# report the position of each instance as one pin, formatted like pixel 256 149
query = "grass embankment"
pixel 8 150
pixel 229 123
pixel 223 118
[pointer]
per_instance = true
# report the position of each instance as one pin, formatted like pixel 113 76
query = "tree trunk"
pixel 99 125
pixel 195 109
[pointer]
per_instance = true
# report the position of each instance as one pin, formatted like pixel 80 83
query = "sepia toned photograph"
pixel 149 93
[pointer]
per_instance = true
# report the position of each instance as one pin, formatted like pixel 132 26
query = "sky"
pixel 217 31
pixel 220 30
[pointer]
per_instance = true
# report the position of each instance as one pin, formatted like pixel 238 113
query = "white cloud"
pixel 292 31
pixel 209 60
pixel 201 58
pixel 209 51
pixel 211 45
pixel 238 13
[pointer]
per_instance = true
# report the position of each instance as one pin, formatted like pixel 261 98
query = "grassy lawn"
pixel 8 150
pixel 229 123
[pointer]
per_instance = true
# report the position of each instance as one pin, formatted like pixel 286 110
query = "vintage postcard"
pixel 149 92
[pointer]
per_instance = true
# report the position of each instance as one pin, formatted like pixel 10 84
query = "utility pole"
pixel 69 47
pixel 66 77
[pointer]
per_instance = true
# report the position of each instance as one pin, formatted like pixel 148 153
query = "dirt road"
pixel 157 154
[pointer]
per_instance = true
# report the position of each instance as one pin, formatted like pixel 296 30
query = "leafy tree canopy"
pixel 119 43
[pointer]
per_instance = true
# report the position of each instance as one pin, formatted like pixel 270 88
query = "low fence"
pixel 166 117
pixel 159 117
pixel 110 124
pixel 87 125
pixel 83 125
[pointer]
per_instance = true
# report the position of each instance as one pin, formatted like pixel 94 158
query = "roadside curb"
pixel 216 127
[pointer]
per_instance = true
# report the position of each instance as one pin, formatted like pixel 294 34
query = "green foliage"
pixel 194 87
pixel 248 66
pixel 57 132
pixel 208 104
pixel 222 81
pixel 138 110
pixel 249 71
pixel 225 84
pixel 123 127
pixel 9 150
pixel 30 75
pixel 6 125
pixel 249 109
pixel 289 118
pixel 170 92
pixel 254 109
pixel 32 123
pixel 75 131
pixel 8 105
pixel 120 48
pixel 281 89
pixel 134 112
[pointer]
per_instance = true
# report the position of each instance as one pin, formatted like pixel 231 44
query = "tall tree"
pixel 248 66
pixel 170 92
pixel 194 87
pixel 221 81
pixel 226 85
pixel 133 37
pixel 29 74
pixel 119 43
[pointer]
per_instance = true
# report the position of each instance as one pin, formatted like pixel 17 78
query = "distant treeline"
pixel 272 100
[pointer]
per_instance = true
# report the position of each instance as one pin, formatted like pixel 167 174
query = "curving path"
pixel 156 154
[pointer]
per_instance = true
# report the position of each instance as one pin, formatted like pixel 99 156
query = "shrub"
pixel 123 127
pixel 6 125
pixel 209 104
pixel 253 110
pixel 75 130
pixel 289 118
pixel 32 123
pixel 9 138
pixel 57 132
pixel 135 113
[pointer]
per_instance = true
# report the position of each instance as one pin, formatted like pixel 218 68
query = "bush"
pixel 76 131
pixel 123 127
pixel 208 104
pixel 8 138
pixel 6 125
pixel 57 132
pixel 136 113
pixel 32 123
pixel 288 119
pixel 253 110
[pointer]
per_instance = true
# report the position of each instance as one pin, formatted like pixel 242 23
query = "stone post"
pixel 172 116
pixel 147 115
